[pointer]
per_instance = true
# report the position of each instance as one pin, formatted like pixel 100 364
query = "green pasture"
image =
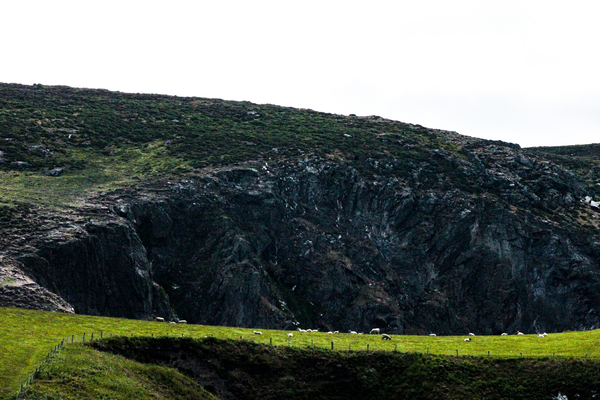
pixel 27 336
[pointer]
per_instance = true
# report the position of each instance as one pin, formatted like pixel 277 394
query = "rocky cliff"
pixel 462 236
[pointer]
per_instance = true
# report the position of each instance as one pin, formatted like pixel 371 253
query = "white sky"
pixel 522 71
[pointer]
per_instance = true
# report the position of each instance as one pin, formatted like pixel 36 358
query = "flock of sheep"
pixel 374 331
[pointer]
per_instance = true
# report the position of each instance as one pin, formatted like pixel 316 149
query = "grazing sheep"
pixel 159 319
pixel 257 332
pixel 385 336
pixel 302 330
pixel 504 334
pixel 172 322
pixel 432 334
pixel 520 333
pixel 468 339
pixel 353 332
pixel 542 334
pixel 471 334
pixel 375 330
pixel 336 332
pixel 330 333
pixel 290 335
pixel 182 321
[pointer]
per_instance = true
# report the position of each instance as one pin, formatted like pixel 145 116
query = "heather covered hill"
pixel 232 213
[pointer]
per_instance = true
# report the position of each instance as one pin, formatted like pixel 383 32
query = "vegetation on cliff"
pixel 324 220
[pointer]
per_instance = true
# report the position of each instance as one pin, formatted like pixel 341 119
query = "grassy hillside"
pixel 28 336
pixel 59 143
pixel 79 372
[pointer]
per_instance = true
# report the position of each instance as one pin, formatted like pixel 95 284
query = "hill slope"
pixel 232 213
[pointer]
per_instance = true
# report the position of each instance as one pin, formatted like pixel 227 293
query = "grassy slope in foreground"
pixel 78 372
pixel 28 335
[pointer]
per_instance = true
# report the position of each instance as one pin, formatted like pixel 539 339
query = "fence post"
pixel 332 345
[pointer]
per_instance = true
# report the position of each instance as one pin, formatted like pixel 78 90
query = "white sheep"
pixel 290 335
pixel 471 334
pixel 467 339
pixel 504 334
pixel 182 321
pixel 385 336
pixel 353 332
pixel 336 332
pixel 520 333
pixel 432 334
pixel 159 319
pixel 257 332
pixel 375 330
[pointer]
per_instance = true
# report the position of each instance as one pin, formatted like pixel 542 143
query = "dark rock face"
pixel 498 242
pixel 98 268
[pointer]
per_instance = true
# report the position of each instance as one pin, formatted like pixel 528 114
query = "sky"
pixel 526 72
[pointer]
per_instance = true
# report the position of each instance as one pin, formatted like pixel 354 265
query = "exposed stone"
pixel 317 242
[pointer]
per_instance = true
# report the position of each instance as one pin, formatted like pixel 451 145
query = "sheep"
pixel 467 339
pixel 257 332
pixel 353 332
pixel 330 333
pixel 182 321
pixel 432 334
pixel 290 335
pixel 520 333
pixel 336 332
pixel 172 322
pixel 540 335
pixel 504 334
pixel 159 319
pixel 375 330
pixel 471 334
pixel 302 330
pixel 385 336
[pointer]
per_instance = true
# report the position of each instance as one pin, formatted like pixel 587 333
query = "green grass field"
pixel 27 336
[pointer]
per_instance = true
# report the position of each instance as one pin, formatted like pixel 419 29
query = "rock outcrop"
pixel 495 240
